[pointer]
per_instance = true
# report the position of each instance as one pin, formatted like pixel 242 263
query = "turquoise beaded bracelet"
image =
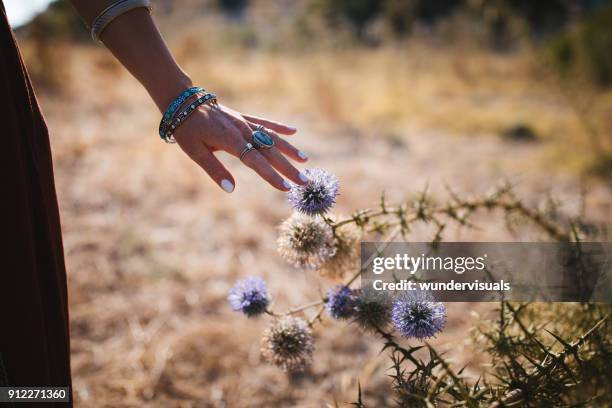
pixel 173 107
pixel 181 117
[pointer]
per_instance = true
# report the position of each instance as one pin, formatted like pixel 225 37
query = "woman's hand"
pixel 136 42
pixel 216 127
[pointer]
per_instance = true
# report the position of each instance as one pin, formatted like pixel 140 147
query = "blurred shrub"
pixel 520 132
pixel 399 15
pixel 47 63
pixel 232 6
pixel 501 17
pixel 543 15
pixel 356 13
pixel 432 10
pixel 58 22
pixel 49 34
pixel 586 50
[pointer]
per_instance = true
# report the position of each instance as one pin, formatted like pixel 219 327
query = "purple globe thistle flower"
pixel 340 302
pixel 288 344
pixel 249 296
pixel 318 195
pixel 372 309
pixel 417 314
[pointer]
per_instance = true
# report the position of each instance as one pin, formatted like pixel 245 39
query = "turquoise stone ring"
pixel 262 140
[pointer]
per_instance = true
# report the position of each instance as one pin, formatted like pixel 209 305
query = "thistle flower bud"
pixel 372 309
pixel 418 315
pixel 249 296
pixel 288 344
pixel 346 256
pixel 318 195
pixel 305 241
pixel 340 302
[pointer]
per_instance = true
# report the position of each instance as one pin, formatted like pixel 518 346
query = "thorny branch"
pixel 448 387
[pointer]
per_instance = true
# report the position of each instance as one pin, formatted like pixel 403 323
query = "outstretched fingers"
pixel 257 162
pixel 284 146
pixel 280 163
pixel 228 130
pixel 270 124
pixel 200 154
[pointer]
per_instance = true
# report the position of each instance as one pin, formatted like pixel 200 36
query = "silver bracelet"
pixel 112 12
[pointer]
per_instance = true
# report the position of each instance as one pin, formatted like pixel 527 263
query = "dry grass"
pixel 152 245
pixel 382 92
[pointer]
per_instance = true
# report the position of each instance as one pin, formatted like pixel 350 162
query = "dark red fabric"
pixel 34 329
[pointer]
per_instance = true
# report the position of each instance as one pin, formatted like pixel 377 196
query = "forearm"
pixel 136 42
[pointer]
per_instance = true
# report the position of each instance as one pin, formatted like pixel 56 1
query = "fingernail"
pixel 287 184
pixel 227 185
pixel 302 155
pixel 292 128
pixel 303 177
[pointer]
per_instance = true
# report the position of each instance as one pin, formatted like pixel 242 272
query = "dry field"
pixel 152 245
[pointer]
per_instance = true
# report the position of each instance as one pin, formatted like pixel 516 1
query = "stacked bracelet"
pixel 113 11
pixel 174 106
pixel 174 117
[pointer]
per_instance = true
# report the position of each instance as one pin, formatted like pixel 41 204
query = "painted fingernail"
pixel 302 155
pixel 303 177
pixel 227 185
pixel 291 128
pixel 287 184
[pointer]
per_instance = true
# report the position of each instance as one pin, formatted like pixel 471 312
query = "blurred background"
pixel 390 95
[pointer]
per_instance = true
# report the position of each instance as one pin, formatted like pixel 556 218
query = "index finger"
pixel 270 124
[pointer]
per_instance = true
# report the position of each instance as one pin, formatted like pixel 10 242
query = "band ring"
pixel 261 139
pixel 247 148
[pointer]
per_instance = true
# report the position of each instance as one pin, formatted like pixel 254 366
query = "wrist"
pixel 163 92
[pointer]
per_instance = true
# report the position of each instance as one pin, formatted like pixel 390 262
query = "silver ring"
pixel 247 148
pixel 261 139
